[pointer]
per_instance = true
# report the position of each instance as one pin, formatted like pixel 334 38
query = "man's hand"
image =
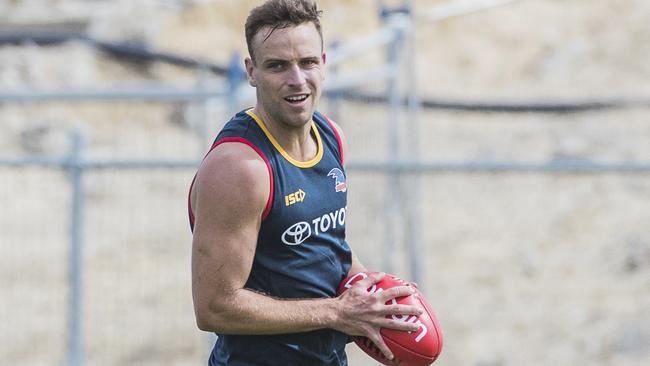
pixel 363 313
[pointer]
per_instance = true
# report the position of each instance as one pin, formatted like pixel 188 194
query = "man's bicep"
pixel 231 193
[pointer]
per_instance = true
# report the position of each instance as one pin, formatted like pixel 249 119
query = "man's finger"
pixel 398 291
pixel 401 309
pixel 376 338
pixel 399 325
pixel 370 280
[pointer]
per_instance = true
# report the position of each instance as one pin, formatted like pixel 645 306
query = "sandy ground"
pixel 521 268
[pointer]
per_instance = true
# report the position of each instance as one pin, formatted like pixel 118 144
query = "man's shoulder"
pixel 237 169
pixel 232 152
pixel 233 156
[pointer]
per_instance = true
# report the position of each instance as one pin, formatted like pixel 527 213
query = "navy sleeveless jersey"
pixel 301 249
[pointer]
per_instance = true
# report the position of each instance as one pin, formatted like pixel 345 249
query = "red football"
pixel 418 348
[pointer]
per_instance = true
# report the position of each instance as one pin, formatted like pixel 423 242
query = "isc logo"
pixel 295 197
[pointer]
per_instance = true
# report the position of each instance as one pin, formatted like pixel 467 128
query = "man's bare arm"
pixel 228 198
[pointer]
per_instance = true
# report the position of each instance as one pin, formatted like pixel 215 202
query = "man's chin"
pixel 298 119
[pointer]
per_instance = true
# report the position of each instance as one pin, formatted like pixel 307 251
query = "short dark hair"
pixel 279 14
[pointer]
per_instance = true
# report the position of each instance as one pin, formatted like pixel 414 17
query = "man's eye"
pixel 276 66
pixel 309 62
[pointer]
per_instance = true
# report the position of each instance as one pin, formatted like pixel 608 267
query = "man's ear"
pixel 324 57
pixel 248 62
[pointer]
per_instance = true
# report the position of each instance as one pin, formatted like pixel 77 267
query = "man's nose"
pixel 296 75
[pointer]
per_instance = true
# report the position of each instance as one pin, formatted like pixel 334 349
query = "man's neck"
pixel 298 141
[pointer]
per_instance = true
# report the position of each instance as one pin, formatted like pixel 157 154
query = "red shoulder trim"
pixel 338 138
pixel 269 201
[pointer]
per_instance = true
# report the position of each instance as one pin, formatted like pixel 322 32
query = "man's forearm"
pixel 355 312
pixel 249 312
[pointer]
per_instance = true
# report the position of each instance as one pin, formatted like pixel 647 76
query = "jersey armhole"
pixel 269 201
pixel 338 138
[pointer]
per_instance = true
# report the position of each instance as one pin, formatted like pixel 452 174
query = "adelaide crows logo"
pixel 339 178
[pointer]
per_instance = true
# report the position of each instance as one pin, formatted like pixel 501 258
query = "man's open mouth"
pixel 296 99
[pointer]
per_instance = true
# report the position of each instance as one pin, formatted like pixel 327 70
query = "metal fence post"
pixel 236 79
pixel 394 106
pixel 413 218
pixel 74 164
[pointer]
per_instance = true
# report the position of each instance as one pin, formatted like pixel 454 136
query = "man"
pixel 268 209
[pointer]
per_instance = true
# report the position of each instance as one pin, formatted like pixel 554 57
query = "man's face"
pixel 288 72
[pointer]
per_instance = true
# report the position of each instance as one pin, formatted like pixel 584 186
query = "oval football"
pixel 419 348
pixel 423 346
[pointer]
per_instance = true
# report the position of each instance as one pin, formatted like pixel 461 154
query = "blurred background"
pixel 499 156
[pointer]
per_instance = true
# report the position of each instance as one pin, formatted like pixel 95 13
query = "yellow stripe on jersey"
pixel 298 163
